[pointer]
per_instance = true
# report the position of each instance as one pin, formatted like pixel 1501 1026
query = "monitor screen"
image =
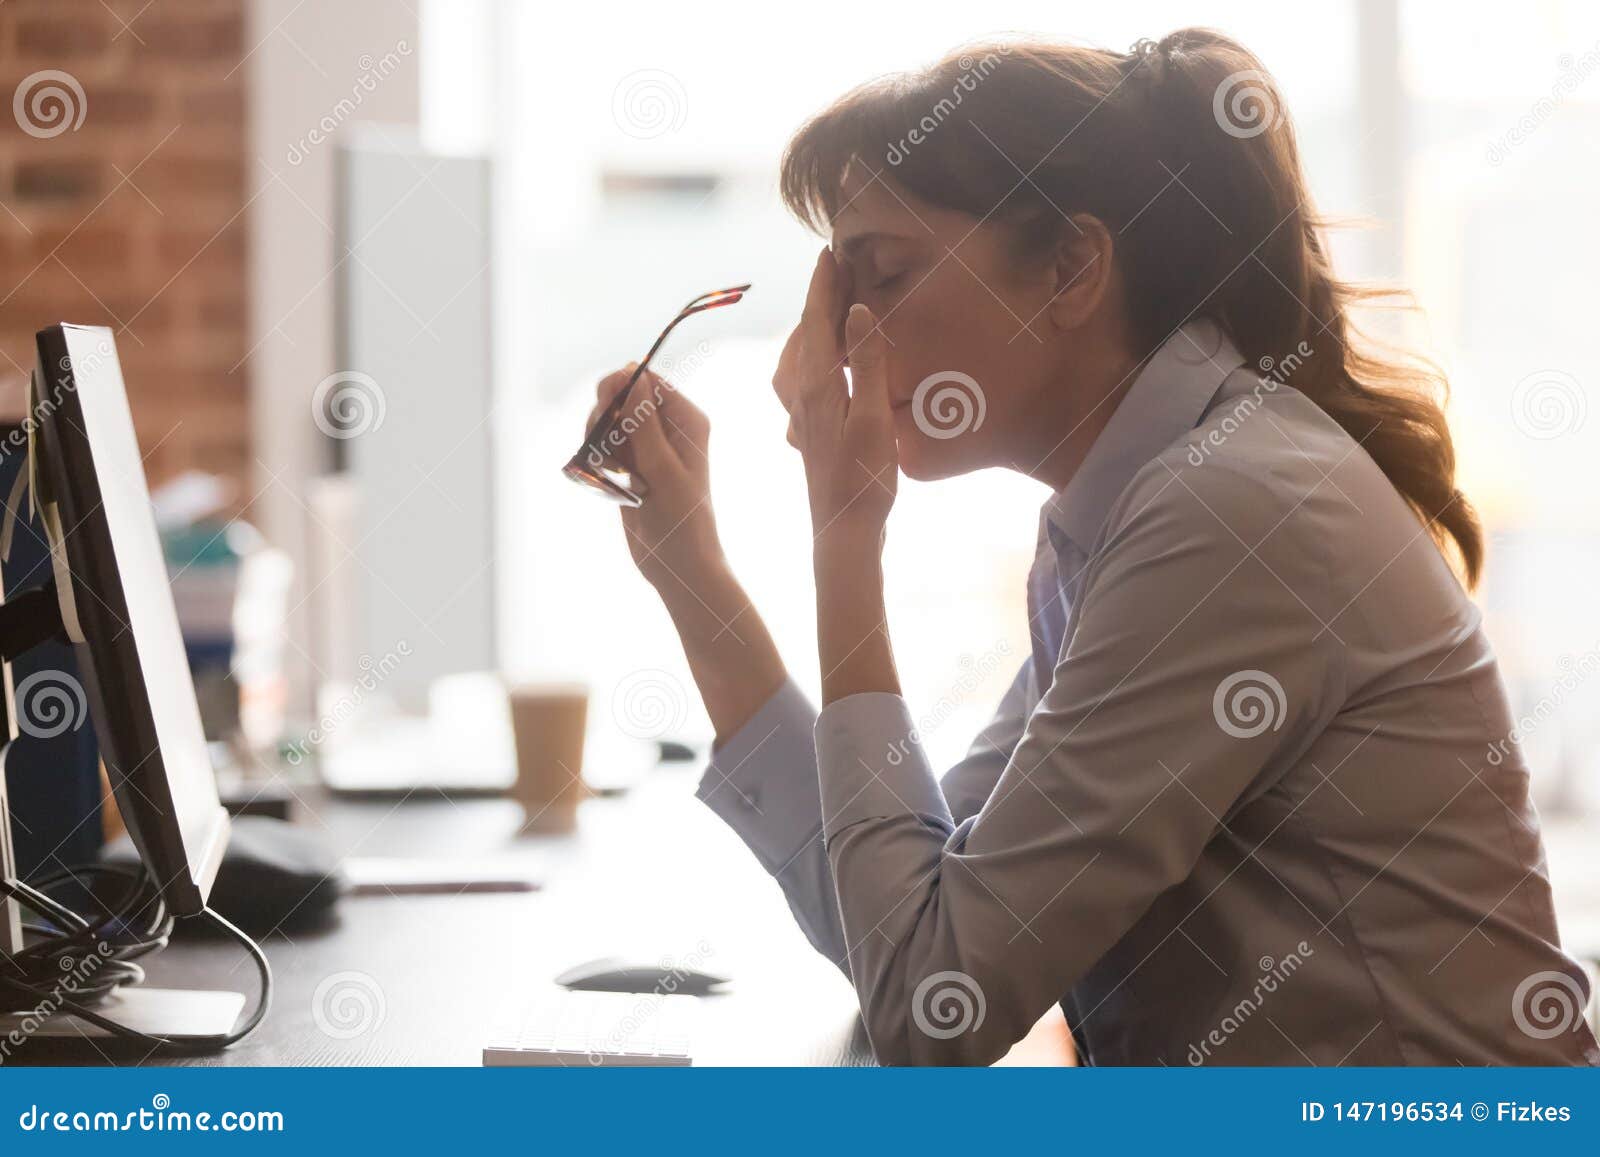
pixel 120 615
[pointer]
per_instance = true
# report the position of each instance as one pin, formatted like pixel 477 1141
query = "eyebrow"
pixel 851 246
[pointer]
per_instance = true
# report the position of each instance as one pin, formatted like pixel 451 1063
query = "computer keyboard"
pixel 598 1028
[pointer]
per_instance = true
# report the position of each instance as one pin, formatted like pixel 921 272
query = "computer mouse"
pixel 612 974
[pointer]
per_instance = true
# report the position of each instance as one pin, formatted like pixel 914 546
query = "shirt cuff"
pixel 762 782
pixel 870 765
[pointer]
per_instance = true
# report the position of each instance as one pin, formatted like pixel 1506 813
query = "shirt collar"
pixel 1165 402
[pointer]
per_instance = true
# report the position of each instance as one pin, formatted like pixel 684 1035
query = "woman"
pixel 1252 799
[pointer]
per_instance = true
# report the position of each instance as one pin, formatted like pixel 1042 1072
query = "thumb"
pixel 866 353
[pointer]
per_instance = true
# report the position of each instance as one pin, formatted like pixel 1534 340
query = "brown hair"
pixel 1183 148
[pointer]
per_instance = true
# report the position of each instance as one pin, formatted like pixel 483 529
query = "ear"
pixel 1083 268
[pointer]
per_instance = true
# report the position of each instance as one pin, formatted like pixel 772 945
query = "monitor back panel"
pixel 121 614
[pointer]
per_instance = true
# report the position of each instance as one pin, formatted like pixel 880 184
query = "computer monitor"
pixel 116 605
pixel 111 599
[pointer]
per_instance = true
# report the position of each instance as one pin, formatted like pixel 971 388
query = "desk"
pixel 651 874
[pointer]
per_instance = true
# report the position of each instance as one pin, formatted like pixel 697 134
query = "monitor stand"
pixel 172 1013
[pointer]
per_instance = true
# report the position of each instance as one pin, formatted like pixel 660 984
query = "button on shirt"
pixel 1256 801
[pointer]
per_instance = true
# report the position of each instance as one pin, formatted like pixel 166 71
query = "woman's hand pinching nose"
pixel 847 438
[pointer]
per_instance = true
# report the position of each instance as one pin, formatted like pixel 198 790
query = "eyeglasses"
pixel 589 466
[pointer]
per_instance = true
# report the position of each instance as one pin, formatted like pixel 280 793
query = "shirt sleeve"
pixel 763 783
pixel 1197 671
pixel 969 783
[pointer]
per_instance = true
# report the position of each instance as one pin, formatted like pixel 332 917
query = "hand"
pixel 673 538
pixel 672 535
pixel 846 439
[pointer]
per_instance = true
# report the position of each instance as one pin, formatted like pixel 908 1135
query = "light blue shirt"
pixel 1267 810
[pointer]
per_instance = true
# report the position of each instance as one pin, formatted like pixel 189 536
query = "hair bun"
pixel 1146 51
pixel 1154 56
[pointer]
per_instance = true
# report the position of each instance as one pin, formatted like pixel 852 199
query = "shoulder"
pixel 1259 475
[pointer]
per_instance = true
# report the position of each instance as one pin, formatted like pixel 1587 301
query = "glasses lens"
pixel 600 483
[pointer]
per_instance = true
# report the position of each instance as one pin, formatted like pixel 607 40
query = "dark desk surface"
pixel 423 980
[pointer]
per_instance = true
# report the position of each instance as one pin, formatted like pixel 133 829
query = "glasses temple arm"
pixel 704 302
pixel 609 415
pixel 704 297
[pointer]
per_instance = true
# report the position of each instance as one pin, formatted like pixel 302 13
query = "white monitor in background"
pixel 410 415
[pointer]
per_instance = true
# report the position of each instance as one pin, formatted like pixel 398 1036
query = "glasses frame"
pixel 588 467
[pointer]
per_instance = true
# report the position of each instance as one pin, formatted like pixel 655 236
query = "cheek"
pixel 927 339
pixel 951 362
pixel 948 323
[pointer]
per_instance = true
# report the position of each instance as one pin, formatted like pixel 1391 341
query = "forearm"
pixel 764 748
pixel 852 630
pixel 731 655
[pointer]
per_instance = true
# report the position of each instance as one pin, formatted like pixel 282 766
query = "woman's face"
pixel 974 361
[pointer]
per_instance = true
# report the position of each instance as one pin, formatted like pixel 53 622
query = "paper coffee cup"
pixel 548 721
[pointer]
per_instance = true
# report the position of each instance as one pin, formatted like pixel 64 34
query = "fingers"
pixel 812 369
pixel 608 450
pixel 657 434
pixel 607 389
pixel 823 295
pixel 786 378
pixel 811 353
pixel 821 355
pixel 867 351
pixel 687 428
pixel 643 427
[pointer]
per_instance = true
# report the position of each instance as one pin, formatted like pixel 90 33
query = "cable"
pixel 113 936
pixel 117 933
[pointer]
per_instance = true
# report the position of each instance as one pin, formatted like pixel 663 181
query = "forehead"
pixel 871 204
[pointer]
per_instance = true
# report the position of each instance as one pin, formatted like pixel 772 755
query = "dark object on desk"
pixel 676 751
pixel 612 974
pixel 52 767
pixel 244 797
pixel 272 873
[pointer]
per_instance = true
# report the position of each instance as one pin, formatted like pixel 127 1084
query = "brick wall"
pixel 135 218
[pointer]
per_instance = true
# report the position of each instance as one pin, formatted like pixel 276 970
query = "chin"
pixel 925 459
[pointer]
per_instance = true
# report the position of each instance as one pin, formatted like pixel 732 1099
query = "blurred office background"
pixel 366 260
